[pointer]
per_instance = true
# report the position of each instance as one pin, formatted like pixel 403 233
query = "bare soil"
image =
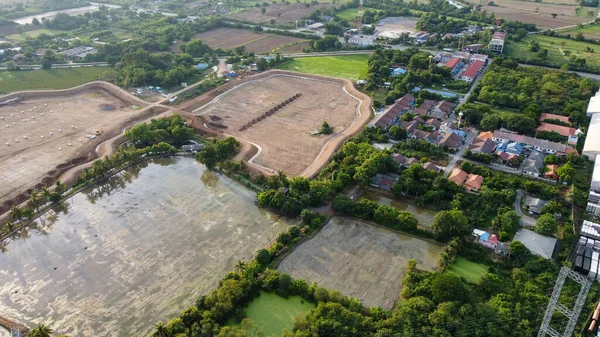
pixel 537 13
pixel 360 260
pixel 284 139
pixel 281 13
pixel 229 38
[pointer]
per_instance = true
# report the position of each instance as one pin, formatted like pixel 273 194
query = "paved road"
pixel 458 155
pixel 526 220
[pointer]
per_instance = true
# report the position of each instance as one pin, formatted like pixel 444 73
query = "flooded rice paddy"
pixel 132 251
pixel 360 260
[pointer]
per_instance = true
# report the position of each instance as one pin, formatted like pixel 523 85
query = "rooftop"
pixel 541 143
pixel 563 119
pixel 561 130
pixel 538 244
pixel 473 69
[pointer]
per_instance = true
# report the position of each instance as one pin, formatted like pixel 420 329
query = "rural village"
pixel 237 168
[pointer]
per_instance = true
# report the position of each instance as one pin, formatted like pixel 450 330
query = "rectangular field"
pixel 349 14
pixel 537 13
pixel 32 34
pixel 351 67
pixel 229 38
pixel 11 81
pixel 556 49
pixel 471 271
pixel 360 260
pixel 284 138
pixel 589 31
pixel 40 133
pixel 281 13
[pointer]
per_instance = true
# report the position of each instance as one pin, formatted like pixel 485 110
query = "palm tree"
pixel 16 213
pixel 240 266
pixel 46 193
pixel 9 226
pixel 281 177
pixel 161 330
pixel 40 330
pixel 59 187
pixel 34 200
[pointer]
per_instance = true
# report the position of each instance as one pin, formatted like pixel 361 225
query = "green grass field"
pixel 471 271
pixel 556 49
pixel 590 31
pixel 32 34
pixel 274 313
pixel 49 79
pixel 349 14
pixel 351 67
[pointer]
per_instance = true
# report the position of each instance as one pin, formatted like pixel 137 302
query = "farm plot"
pixel 360 260
pixel 282 13
pixel 39 134
pixel 558 49
pixel 589 31
pixel 537 13
pixel 229 38
pixel 352 67
pixel 284 138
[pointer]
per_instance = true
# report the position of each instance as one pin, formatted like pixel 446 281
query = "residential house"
pixel 548 116
pixel 399 159
pixel 537 244
pixel 410 161
pixel 411 126
pixel 473 48
pixel 433 137
pixel 424 108
pixel 419 134
pixel 472 71
pixel 496 45
pixel 78 53
pixel 433 123
pixel 561 130
pixel 420 37
pixel 384 181
pixel 390 117
pixel 534 205
pixel 550 172
pixel 541 145
pixel 471 182
pixel 442 110
pixel 398 71
pixel 454 65
pixel 482 146
pixel 534 164
pixel 485 239
pixel 432 167
pixel 451 140
pixel 479 57
pixel 485 135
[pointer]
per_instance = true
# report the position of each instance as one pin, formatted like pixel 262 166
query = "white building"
pixel 361 40
pixel 496 46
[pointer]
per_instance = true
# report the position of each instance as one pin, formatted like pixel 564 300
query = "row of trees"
pixel 381 214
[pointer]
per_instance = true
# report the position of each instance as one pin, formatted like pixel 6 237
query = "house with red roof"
pixel 454 64
pixel 472 71
pixel 561 130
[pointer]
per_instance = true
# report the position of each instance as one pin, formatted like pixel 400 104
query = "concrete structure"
pixel 534 205
pixel 78 53
pixel 534 164
pixel 496 45
pixel 537 244
pixel 361 40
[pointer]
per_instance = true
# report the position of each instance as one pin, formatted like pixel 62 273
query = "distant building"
pixel 473 48
pixel 391 116
pixel 541 145
pixel 485 145
pixel 78 53
pixel 451 140
pixel 361 40
pixel 496 45
pixel 485 239
pixel 420 37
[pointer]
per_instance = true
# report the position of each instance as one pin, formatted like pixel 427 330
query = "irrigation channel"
pixel 137 249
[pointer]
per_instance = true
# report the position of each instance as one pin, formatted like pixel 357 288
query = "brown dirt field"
pixel 289 13
pixel 24 163
pixel 283 139
pixel 267 45
pixel 526 12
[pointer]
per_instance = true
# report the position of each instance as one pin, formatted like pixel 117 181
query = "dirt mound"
pixel 215 118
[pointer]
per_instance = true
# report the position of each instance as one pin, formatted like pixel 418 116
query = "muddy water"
pixel 424 215
pixel 133 251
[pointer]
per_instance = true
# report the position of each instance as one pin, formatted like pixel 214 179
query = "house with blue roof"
pixel 398 71
pixel 202 66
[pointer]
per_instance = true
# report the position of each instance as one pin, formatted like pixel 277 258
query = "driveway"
pixel 526 220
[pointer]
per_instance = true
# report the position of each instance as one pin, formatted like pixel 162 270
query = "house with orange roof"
pixel 561 130
pixel 472 182
pixel 458 176
pixel 551 172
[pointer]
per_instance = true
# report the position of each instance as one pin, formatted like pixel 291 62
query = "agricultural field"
pixel 41 133
pixel 274 313
pixel 589 31
pixel 281 13
pixel 32 34
pixel 538 13
pixel 471 271
pixel 11 81
pixel 352 67
pixel 359 260
pixel 556 49
pixel 229 38
pixel 349 14
pixel 284 138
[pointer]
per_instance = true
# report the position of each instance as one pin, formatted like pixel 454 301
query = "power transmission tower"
pixel 555 305
pixel 359 17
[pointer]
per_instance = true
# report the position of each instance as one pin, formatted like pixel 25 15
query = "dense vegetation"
pixel 171 130
pixel 515 96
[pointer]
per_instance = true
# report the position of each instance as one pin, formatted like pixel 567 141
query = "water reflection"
pixel 133 250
